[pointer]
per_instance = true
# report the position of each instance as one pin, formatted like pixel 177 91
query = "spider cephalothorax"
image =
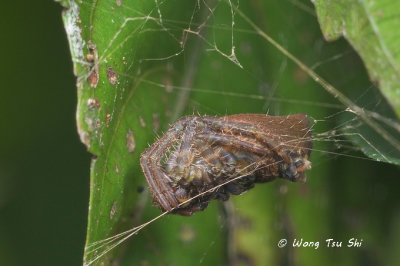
pixel 199 153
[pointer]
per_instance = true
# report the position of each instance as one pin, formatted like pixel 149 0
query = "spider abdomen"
pixel 211 166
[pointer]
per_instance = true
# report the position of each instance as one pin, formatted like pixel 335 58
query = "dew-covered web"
pixel 349 126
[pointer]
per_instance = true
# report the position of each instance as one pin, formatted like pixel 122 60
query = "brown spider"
pixel 199 153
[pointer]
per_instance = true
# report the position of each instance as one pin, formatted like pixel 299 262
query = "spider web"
pixel 219 41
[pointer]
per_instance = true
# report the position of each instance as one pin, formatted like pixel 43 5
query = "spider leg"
pixel 157 180
pixel 246 131
pixel 150 161
pixel 269 140
pixel 232 141
pixel 269 164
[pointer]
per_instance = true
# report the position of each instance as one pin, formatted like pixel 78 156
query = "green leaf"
pixel 369 26
pixel 124 97
pixel 372 143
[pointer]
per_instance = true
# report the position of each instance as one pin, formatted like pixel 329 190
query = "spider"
pixel 199 153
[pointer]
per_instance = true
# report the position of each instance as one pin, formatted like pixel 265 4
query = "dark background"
pixel 44 168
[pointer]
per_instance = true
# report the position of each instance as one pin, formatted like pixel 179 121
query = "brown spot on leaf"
pixel 93 103
pixel 142 122
pixel 92 58
pixel 112 76
pixel 113 209
pixel 107 119
pixel 93 79
pixel 130 141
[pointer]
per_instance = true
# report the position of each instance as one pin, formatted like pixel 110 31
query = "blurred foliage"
pixel 44 170
pixel 368 26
